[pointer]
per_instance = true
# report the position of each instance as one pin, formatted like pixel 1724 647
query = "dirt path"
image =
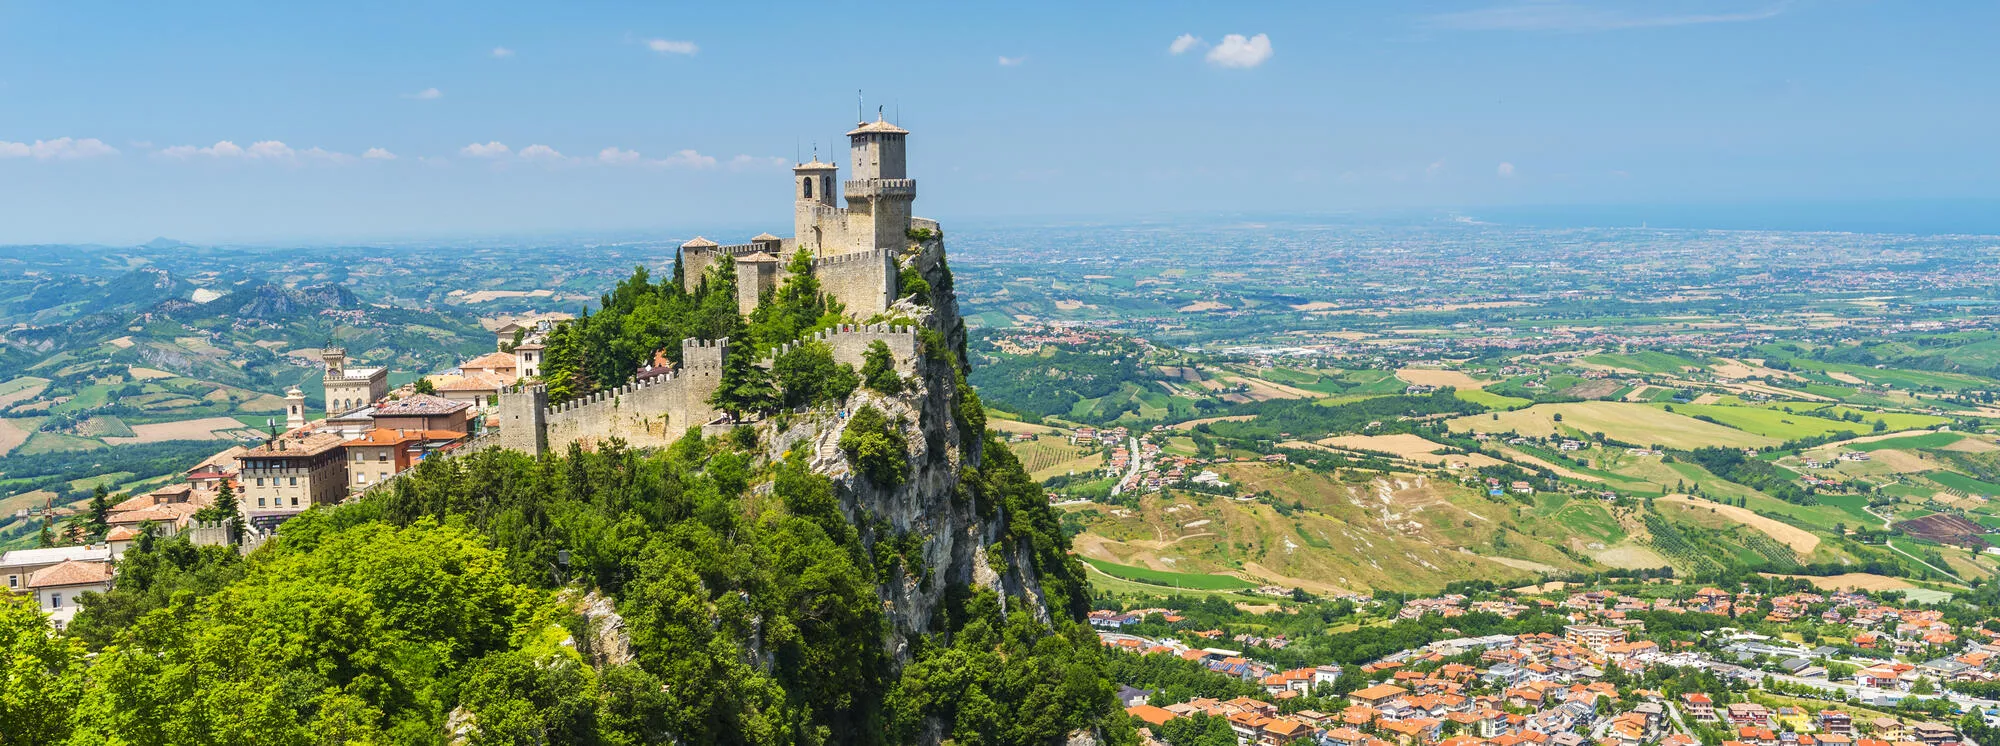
pixel 1800 540
pixel 1899 550
pixel 1258 572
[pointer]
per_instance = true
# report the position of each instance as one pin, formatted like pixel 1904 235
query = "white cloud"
pixel 502 52
pixel 1435 168
pixel 271 149
pixel 222 149
pixel 541 153
pixel 751 162
pixel 61 148
pixel 262 150
pixel 1565 16
pixel 427 94
pixel 687 158
pixel 1506 170
pixel 1237 51
pixel 379 154
pixel 1006 61
pixel 1183 43
pixel 617 156
pixel 493 149
pixel 669 46
pixel 316 153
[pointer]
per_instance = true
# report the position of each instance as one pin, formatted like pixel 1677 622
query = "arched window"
pixel 809 187
pixel 828 187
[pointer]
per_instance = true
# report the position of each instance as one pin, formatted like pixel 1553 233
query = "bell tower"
pixel 815 208
pixel 879 195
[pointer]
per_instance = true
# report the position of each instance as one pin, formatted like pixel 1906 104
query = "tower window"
pixel 809 187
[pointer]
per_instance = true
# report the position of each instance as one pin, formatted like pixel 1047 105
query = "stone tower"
pixel 816 207
pixel 696 255
pixel 336 361
pixel 756 274
pixel 295 408
pixel 701 367
pixel 879 195
pixel 523 419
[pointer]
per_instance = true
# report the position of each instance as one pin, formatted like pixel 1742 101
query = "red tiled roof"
pixel 71 572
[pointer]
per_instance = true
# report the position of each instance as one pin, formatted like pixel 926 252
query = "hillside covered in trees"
pixel 722 590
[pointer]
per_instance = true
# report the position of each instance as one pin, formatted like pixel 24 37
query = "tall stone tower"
pixel 879 195
pixel 295 408
pixel 816 207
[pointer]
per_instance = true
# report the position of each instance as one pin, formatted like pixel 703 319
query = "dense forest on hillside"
pixel 752 618
pixel 700 594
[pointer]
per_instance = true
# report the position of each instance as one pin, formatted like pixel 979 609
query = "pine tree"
pixel 48 537
pixel 100 513
pixel 745 388
pixel 228 512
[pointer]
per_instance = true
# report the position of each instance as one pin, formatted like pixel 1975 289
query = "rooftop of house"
pixel 480 381
pixel 357 374
pixel 53 555
pixel 419 404
pixel 71 572
pixel 489 361
pixel 296 445
pixel 383 436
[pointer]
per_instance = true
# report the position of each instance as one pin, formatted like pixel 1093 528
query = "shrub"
pixel 878 369
pixel 877 447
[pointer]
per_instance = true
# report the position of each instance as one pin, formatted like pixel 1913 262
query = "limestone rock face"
pixel 959 545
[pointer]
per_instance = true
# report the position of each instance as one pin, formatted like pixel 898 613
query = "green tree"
pixel 878 369
pixel 424 386
pixel 808 375
pixel 745 387
pixel 41 676
pixel 798 307
pixel 100 512
pixel 877 447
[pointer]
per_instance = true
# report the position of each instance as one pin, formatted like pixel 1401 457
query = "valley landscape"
pixel 1469 373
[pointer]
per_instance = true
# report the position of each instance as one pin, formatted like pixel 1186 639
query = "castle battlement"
pixel 654 411
pixel 880 188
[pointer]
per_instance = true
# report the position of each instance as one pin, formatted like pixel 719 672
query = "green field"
pixel 1770 423
pixel 1926 440
pixel 1169 579
pixel 1648 361
pixel 1963 483
pixel 1491 400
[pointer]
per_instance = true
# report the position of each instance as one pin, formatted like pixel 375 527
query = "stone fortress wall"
pixel 654 412
pixel 855 253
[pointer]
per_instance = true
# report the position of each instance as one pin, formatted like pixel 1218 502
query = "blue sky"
pixel 254 122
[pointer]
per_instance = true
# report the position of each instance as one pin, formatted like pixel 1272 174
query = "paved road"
pixel 1132 447
pixel 1869 692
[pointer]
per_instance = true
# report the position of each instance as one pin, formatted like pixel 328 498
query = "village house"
pixel 291 473
pixel 57 587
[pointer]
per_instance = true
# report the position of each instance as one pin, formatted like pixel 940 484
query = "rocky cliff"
pixel 961 545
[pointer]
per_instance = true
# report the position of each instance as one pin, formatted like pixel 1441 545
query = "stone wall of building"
pixel 650 412
pixel 862 281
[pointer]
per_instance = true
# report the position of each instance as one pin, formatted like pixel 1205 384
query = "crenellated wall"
pixel 650 412
pixel 654 412
pixel 863 281
pixel 850 341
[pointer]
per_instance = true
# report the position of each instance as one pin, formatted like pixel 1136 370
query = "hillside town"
pixel 1900 679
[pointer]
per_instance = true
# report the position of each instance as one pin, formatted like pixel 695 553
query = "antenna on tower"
pixel 857 106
